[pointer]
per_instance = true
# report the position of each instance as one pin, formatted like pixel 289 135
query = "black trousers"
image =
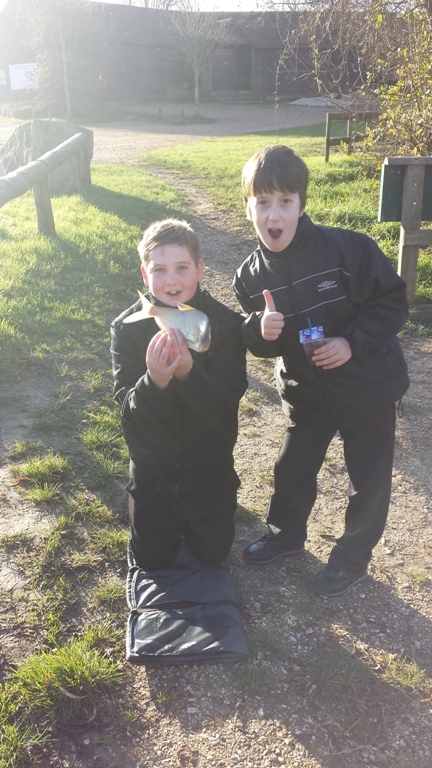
pixel 368 450
pixel 160 518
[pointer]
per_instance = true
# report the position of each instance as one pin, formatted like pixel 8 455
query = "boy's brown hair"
pixel 275 168
pixel 169 232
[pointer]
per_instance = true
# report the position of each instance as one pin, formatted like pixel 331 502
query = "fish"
pixel 194 324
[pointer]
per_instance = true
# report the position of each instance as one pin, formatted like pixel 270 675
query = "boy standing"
pixel 308 282
pixel 179 408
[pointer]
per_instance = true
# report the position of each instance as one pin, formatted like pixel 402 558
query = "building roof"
pixel 152 26
pixel 136 25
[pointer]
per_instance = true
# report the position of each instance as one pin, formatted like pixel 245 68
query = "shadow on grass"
pixel 135 211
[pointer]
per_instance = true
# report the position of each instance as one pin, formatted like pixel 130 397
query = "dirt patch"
pixel 318 691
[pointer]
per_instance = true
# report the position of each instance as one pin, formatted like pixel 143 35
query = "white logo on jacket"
pixel 327 284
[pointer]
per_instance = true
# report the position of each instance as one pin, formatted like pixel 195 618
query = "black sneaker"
pixel 268 548
pixel 332 582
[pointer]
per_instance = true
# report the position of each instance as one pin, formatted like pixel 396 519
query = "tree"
pixel 379 47
pixel 405 125
pixel 58 30
pixel 197 35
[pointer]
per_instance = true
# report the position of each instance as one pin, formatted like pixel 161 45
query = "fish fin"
pixel 142 314
pixel 183 307
pixel 146 304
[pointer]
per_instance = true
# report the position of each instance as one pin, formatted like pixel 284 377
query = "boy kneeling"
pixel 179 408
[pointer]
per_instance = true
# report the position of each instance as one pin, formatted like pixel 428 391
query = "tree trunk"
pixel 197 109
pixel 64 65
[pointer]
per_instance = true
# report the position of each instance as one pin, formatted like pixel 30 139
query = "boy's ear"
pixel 248 213
pixel 144 274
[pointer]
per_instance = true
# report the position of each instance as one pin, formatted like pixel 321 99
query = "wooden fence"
pixel 36 174
pixel 406 196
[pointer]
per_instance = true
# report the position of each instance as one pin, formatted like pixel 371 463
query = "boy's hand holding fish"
pixel 168 356
pixel 182 352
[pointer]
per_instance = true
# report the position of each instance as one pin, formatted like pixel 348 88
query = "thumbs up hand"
pixel 272 322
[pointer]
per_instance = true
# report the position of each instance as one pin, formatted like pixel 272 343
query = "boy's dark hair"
pixel 275 168
pixel 169 232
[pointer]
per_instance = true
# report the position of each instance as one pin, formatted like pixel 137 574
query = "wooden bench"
pixel 350 118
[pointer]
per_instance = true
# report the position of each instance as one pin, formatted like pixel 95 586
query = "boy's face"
pixel 275 216
pixel 171 274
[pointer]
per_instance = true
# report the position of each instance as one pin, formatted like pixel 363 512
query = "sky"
pixel 210 5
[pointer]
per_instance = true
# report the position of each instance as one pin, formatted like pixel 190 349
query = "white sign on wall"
pixel 23 76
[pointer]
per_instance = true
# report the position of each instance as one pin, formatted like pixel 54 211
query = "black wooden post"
pixel 406 196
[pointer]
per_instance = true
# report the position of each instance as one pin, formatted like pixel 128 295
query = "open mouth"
pixel 275 233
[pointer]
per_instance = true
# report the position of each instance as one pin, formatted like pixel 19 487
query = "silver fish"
pixel 194 325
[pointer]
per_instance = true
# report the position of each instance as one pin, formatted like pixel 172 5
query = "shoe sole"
pixel 275 557
pixel 320 591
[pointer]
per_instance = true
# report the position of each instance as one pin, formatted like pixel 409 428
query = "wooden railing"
pixel 36 174
pixel 351 134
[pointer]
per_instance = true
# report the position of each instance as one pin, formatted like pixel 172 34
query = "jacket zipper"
pixel 319 373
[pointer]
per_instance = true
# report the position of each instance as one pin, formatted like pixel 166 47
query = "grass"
pixel 42 472
pixel 57 298
pixel 41 469
pixel 66 684
pixel 405 673
pixel 110 594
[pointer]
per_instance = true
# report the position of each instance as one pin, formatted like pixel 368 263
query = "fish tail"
pixel 147 306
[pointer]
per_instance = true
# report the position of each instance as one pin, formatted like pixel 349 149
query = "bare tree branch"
pixel 198 35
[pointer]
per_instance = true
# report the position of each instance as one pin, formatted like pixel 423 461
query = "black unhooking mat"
pixel 183 614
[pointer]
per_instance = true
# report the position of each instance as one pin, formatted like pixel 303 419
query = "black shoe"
pixel 332 582
pixel 268 548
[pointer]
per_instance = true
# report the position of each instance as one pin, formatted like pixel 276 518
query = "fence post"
pixel 44 211
pixel 410 220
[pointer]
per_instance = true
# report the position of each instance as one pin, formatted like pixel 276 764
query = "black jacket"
pixel 341 280
pixel 184 434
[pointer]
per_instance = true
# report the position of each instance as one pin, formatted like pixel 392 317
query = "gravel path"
pixel 323 688
pixel 120 142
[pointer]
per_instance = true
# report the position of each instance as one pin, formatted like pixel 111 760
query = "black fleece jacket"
pixel 341 280
pixel 183 435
